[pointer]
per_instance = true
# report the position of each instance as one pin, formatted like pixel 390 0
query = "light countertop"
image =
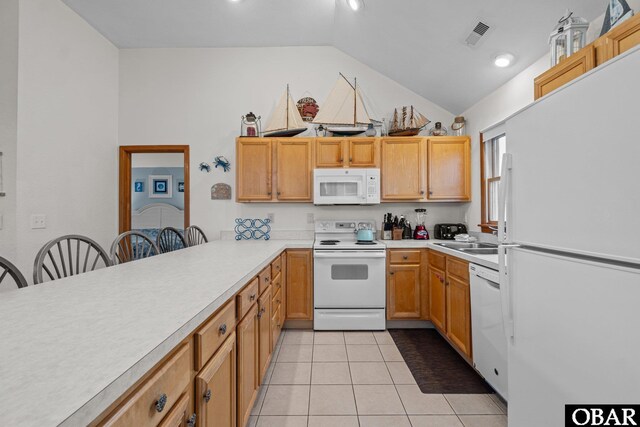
pixel 489 261
pixel 69 348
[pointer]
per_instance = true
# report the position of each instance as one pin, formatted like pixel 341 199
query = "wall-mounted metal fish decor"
pixel 204 167
pixel 223 163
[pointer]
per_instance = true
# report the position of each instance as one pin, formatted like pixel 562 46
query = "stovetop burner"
pixel 365 242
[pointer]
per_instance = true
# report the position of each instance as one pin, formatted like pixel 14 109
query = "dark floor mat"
pixel 435 365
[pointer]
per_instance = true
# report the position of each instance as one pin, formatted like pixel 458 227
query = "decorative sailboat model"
pixel 412 127
pixel 286 119
pixel 343 113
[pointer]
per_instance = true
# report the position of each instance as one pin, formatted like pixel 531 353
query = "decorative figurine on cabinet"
pixel 250 125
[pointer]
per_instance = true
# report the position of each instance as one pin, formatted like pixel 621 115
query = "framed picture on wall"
pixel 138 186
pixel 160 187
pixel 180 186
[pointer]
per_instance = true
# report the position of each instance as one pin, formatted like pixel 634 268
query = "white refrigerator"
pixel 570 246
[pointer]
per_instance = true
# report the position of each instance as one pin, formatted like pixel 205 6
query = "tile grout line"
pixel 353 389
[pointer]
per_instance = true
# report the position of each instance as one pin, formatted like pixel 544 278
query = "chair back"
pixel 195 236
pixel 67 256
pixel 130 246
pixel 169 240
pixel 9 271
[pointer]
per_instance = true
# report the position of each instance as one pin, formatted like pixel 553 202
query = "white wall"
pixel 8 123
pixel 196 97
pixel 67 128
pixel 157 160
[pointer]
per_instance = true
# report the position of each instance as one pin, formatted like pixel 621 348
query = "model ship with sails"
pixel 400 126
pixel 285 120
pixel 344 112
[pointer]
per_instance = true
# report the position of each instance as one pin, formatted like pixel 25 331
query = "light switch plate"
pixel 38 221
pixel 271 217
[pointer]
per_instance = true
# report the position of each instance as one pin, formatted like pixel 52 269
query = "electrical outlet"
pixel 38 221
pixel 1 220
pixel 310 218
pixel 271 217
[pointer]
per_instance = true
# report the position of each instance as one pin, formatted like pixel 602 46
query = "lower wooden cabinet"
pixel 450 300
pixel 299 284
pixel 216 388
pixel 407 283
pixel 264 328
pixel 247 378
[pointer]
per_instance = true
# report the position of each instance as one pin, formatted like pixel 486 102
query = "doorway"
pixel 153 188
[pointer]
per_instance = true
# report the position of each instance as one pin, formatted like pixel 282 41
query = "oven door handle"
pixel 350 254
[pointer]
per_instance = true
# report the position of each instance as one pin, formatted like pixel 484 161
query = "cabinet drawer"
pixel 277 299
pixel 437 260
pixel 276 267
pixel 265 279
pixel 276 325
pixel 211 335
pixel 247 297
pixel 458 268
pixel 277 283
pixel 153 399
pixel 404 257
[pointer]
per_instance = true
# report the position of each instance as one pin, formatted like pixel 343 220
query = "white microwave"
pixel 346 186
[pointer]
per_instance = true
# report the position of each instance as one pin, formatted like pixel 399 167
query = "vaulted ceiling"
pixel 418 43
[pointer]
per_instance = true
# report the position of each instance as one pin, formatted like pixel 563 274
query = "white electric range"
pixel 349 278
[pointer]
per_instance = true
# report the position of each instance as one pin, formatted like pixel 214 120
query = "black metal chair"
pixel 67 256
pixel 131 246
pixel 195 236
pixel 8 270
pixel 169 240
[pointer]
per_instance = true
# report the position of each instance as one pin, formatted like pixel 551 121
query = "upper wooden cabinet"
pixel 567 70
pixel 253 178
pixel 449 168
pixel 294 169
pixel 347 152
pixel 402 169
pixel 618 40
pixel 441 164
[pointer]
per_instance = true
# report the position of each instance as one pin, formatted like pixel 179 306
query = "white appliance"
pixel 489 340
pixel 346 186
pixel 349 291
pixel 570 230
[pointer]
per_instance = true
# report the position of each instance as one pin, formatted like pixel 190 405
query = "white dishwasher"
pixel 487 328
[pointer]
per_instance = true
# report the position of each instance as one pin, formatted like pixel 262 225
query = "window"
pixel 493 146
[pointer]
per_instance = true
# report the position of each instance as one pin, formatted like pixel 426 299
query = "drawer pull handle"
pixel 266 279
pixel 278 301
pixel 161 402
pixel 223 329
pixel 191 422
pixel 252 297
pixel 391 273
pixel 261 312
pixel 207 395
pixel 405 257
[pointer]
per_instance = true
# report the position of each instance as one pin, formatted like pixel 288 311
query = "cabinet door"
pixel 276 325
pixel 363 153
pixel 403 292
pixel 264 327
pixel 253 176
pixel 623 37
pixel 402 166
pixel 329 153
pixel 567 70
pixel 459 314
pixel 449 168
pixel 216 388
pixel 179 415
pixel 247 336
pixel 437 298
pixel 294 169
pixel 299 285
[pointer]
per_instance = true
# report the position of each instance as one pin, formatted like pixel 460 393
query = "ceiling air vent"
pixel 479 31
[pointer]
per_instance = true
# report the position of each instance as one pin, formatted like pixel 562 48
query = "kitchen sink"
pixel 462 245
pixel 472 248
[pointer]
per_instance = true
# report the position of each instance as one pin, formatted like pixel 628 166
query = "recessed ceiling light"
pixel 355 4
pixel 235 1
pixel 503 60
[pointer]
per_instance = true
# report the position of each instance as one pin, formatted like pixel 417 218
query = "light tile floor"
pixel 358 379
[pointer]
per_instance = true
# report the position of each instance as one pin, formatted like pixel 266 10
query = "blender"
pixel 420 232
